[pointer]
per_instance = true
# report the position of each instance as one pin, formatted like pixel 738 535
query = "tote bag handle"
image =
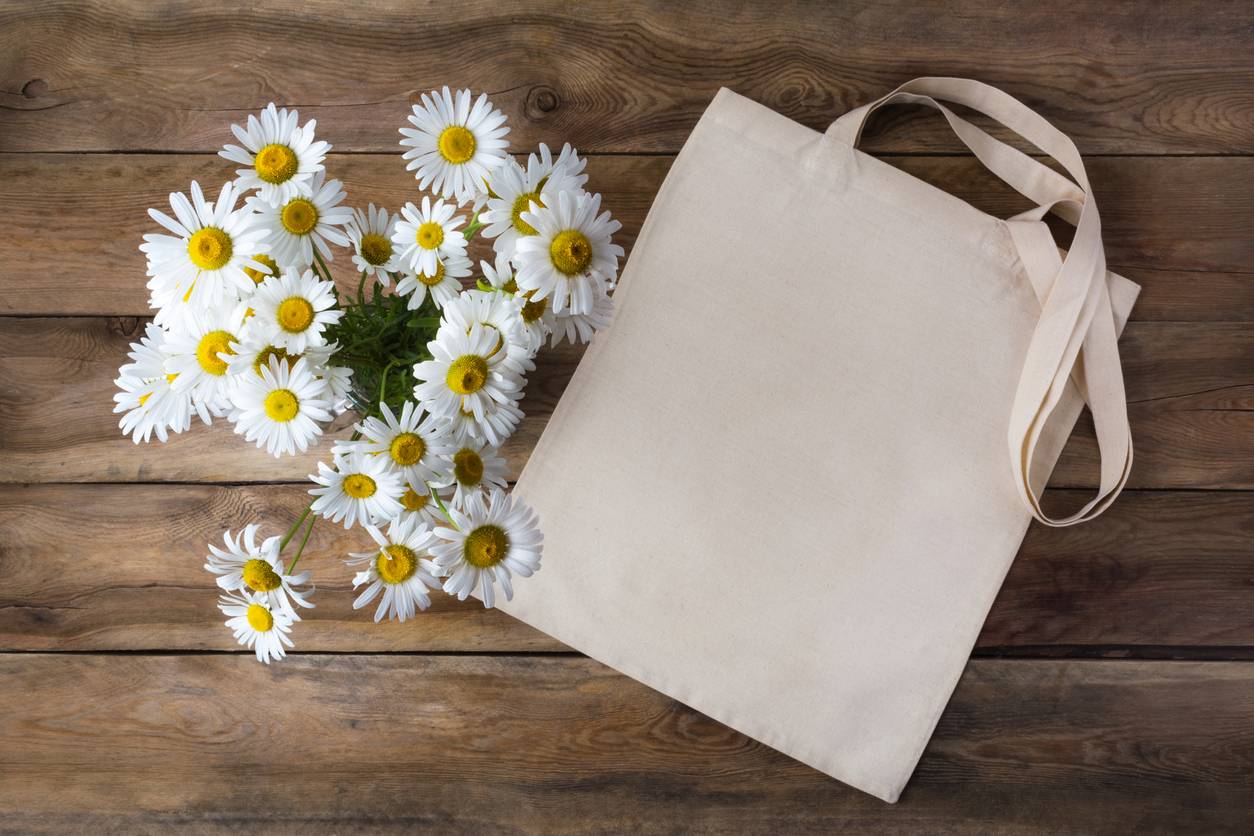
pixel 1075 337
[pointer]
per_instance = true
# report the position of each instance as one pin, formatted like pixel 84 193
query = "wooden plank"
pixel 1190 386
pixel 133 742
pixel 614 77
pixel 118 567
pixel 1178 226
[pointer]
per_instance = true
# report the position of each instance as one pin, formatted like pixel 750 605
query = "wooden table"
pixel 1112 689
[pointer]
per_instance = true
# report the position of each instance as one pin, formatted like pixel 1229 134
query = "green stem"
pixel 326 272
pixel 474 227
pixel 383 379
pixel 301 550
pixel 361 288
pixel 291 532
pixel 440 504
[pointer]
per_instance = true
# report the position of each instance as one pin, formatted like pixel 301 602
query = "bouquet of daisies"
pixel 250 327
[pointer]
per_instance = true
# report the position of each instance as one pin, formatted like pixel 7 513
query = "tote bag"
pixel 785 486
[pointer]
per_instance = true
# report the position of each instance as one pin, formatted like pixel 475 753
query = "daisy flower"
pixel 417 504
pixel 400 568
pixel 198 349
pixel 425 237
pixel 472 468
pixel 203 262
pixel 337 382
pixel 148 398
pixel 258 626
pixel 454 146
pixel 497 424
pixel 296 226
pixel 280 409
pixel 359 487
pixel 281 157
pixel 271 266
pixel 579 327
pixel 254 351
pixel 294 309
pixel 466 373
pixel 414 447
pixel 371 236
pixel 443 285
pixel 533 321
pixel 492 539
pixel 513 190
pixel 253 569
pixel 498 313
pixel 571 247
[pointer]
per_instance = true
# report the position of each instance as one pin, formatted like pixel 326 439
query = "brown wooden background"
pixel 1112 689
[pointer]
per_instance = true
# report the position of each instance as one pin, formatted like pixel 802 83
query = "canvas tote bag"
pixel 785 486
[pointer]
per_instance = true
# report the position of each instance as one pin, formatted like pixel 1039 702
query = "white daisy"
pixel 373 251
pixel 472 468
pixel 443 285
pixel 296 226
pixel 533 321
pixel 418 504
pixel 579 327
pixel 425 237
pixel 337 383
pixel 254 351
pixel 400 568
pixel 267 261
pixel 491 540
pixel 203 262
pixel 497 312
pixel 497 424
pixel 454 146
pixel 415 447
pixel 265 629
pixel 256 569
pixel 512 190
pixel 571 247
pixel 358 487
pixel 294 309
pixel 198 350
pixel 466 373
pixel 281 157
pixel 280 409
pixel 148 399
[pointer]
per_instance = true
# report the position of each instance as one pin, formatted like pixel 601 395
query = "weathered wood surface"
pixel 1180 227
pixel 104 75
pixel 113 567
pixel 565 745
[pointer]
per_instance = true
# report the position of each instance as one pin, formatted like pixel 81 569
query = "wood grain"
pixel 1180 227
pixel 118 567
pixel 566 745
pixel 130 75
pixel 1190 387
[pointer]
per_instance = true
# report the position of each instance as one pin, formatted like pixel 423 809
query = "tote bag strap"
pixel 1075 338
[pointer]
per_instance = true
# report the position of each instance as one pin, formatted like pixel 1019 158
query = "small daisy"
pixel 280 409
pixel 454 146
pixel 271 266
pixel 305 221
pixel 512 190
pixel 415 447
pixel 497 312
pixel 579 327
pixel 148 399
pixel 203 262
pixel 531 313
pixel 256 625
pixel 443 285
pixel 294 309
pixel 337 383
pixel 472 468
pixel 281 157
pixel 371 237
pixel 497 424
pixel 418 504
pixel 466 373
pixel 491 540
pixel 358 487
pixel 198 353
pixel 254 351
pixel 425 237
pixel 571 247
pixel 253 569
pixel 400 568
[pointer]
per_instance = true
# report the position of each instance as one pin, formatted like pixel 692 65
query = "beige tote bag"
pixel 785 486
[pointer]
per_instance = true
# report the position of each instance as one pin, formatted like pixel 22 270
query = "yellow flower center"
pixel 414 501
pixel 457 144
pixel 275 163
pixel 359 486
pixel 260 576
pixel 375 249
pixel 396 564
pixel 571 252
pixel 407 449
pixel 143 399
pixel 263 358
pixel 485 547
pixel 467 467
pixel 208 349
pixel 259 618
pixel 522 203
pixel 533 309
pixel 295 314
pixel 432 281
pixel 510 286
pixel 256 275
pixel 467 374
pixel 209 248
pixel 299 216
pixel 282 405
pixel 430 235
